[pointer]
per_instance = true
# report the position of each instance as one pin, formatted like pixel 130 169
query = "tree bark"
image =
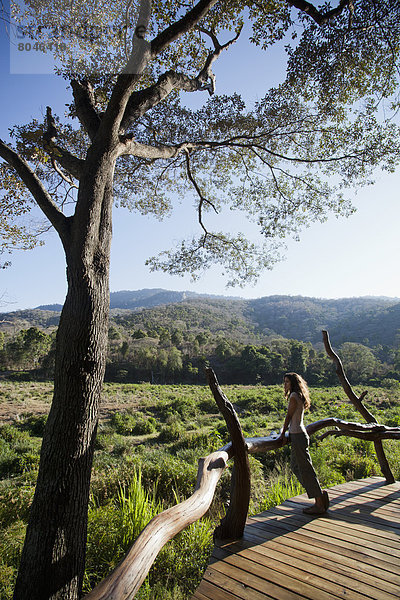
pixel 52 562
pixel 233 524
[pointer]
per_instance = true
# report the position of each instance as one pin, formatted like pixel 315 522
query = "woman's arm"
pixel 289 414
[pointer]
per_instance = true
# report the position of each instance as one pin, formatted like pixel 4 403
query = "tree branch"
pixel 68 161
pixel 85 106
pixel 140 53
pixel 61 174
pixel 35 186
pixel 128 146
pixel 140 102
pixel 232 525
pixel 364 431
pixel 294 159
pixel 206 74
pixel 202 199
pixel 123 88
pixel 318 16
pixel 357 402
pixel 183 25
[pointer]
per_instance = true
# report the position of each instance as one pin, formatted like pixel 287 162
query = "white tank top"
pixel 296 422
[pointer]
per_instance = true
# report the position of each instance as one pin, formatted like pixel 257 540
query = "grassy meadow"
pixel 149 440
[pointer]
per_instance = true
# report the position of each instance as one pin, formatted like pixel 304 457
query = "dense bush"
pixel 34 424
pixel 171 432
pixel 132 424
pixel 19 452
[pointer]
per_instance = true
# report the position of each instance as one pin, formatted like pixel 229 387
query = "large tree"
pixel 282 163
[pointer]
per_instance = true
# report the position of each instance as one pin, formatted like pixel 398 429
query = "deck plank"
pixel 293 550
pixel 335 547
pixel 352 552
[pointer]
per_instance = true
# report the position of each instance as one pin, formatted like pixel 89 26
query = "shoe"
pixel 325 498
pixel 314 510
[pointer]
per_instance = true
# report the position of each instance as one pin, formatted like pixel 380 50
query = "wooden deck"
pixel 352 552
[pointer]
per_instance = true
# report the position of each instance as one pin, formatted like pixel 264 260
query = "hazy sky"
pixel 340 258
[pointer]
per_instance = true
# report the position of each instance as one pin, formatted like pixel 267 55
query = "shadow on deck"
pixel 352 552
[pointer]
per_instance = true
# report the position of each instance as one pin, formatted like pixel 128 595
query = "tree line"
pixel 166 354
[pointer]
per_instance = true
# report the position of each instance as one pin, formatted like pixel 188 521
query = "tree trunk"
pixel 52 562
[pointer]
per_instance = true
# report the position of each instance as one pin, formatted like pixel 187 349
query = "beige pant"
pixel 301 465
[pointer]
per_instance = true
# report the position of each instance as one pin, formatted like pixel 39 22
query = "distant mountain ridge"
pixel 137 299
pixel 133 300
pixel 369 320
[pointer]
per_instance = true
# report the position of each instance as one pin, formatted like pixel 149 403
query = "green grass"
pixel 280 486
pixel 115 525
pixel 149 441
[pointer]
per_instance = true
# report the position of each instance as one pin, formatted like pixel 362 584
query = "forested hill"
pixel 368 320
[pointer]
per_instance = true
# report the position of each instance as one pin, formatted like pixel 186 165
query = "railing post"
pixel 233 524
pixel 357 402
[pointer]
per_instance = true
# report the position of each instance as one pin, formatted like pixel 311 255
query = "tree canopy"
pixel 282 162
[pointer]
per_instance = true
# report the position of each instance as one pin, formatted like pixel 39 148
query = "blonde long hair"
pixel 300 387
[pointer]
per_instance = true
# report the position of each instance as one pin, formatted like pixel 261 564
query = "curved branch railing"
pixel 128 576
pixel 126 579
pixel 357 402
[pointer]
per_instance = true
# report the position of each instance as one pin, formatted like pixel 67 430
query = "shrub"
pixel 29 461
pixel 123 423
pixel 324 457
pixel 128 424
pixel 391 384
pixel 357 467
pixel 18 440
pixel 168 473
pixel 185 407
pixel 137 507
pixel 392 449
pixel 15 501
pixel 8 459
pixel 145 426
pixel 20 376
pixel 208 406
pixel 8 575
pixel 200 442
pixel 103 551
pixel 172 432
pixel 34 425
pixel 19 453
pixel 393 417
pixel 11 540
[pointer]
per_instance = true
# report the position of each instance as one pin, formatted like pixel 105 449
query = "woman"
pixel 299 400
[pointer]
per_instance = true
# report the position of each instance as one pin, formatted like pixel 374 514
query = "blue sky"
pixel 340 258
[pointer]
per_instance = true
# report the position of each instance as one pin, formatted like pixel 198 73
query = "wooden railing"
pixel 126 579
